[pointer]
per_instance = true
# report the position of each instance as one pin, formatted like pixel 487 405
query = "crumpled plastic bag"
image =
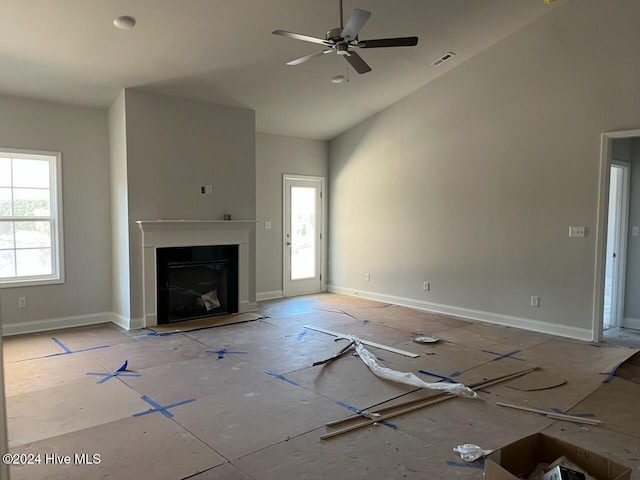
pixel 407 378
pixel 470 452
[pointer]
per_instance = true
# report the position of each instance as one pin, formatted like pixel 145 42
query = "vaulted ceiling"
pixel 224 52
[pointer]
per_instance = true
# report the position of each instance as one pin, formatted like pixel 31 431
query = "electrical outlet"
pixel 535 301
pixel 267 225
pixel 577 231
pixel 367 277
pixel 426 286
pixel 22 302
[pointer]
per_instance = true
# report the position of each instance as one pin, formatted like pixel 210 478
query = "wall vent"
pixel 443 58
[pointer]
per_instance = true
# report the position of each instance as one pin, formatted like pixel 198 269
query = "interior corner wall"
pixel 80 133
pixel 632 277
pixel 174 147
pixel 471 182
pixel 277 155
pixel 121 285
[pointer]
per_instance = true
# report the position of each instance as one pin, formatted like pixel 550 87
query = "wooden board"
pixel 364 342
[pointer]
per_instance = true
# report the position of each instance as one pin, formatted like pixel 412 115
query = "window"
pixel 30 218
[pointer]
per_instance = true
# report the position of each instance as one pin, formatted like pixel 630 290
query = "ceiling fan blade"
pixel 304 38
pixel 355 23
pixel 388 42
pixel 298 61
pixel 357 62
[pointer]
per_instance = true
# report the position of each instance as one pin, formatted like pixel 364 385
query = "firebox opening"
pixel 196 282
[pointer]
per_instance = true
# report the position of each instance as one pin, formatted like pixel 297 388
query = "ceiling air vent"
pixel 442 59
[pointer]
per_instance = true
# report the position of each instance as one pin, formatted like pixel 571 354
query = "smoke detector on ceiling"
pixel 124 22
pixel 442 59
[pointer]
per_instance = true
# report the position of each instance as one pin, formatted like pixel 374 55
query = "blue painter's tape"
pixel 281 377
pixel 359 412
pixel 159 408
pixel 479 464
pixel 61 345
pixel 612 373
pixel 68 351
pixel 120 372
pixel 222 352
pixel 441 377
pixel 504 355
pixel 163 334
pixel 583 415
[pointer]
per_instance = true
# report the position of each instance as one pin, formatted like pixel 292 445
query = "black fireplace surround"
pixel 196 282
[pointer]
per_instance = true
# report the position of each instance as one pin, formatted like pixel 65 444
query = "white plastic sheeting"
pixel 407 378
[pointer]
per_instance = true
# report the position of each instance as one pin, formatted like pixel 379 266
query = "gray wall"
pixel 275 156
pixel 632 280
pixel 81 135
pixel 472 181
pixel 173 147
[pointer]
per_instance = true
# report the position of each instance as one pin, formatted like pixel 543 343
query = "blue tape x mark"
pixel 359 412
pixel 441 377
pixel 281 377
pixel 299 336
pixel 121 372
pixel 68 351
pixel 505 355
pixel 222 352
pixel 159 408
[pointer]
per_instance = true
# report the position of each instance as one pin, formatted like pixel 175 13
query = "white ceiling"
pixel 223 51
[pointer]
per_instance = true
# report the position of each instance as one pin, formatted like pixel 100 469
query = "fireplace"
pixel 196 282
pixel 166 235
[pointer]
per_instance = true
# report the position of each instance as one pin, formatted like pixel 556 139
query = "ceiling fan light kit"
pixel 344 41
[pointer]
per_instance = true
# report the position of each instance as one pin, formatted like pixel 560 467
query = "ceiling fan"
pixel 344 40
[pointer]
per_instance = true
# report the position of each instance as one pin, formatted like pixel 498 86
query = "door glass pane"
pixel 303 234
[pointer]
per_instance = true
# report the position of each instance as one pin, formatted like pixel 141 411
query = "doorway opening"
pixel 302 237
pixel 616 313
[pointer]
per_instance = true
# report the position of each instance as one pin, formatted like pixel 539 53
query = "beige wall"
pixel 471 182
pixel 173 147
pixel 81 135
pixel 275 156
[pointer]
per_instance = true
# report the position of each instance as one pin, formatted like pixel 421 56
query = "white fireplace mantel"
pixel 193 233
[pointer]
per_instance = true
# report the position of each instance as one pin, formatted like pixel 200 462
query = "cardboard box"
pixel 518 459
pixel 563 473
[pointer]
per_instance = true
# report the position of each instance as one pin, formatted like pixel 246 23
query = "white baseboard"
pixel 127 323
pixel 489 317
pixel 246 306
pixel 56 323
pixel 633 323
pixel 269 295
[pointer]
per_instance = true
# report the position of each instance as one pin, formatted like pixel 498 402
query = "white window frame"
pixel 57 243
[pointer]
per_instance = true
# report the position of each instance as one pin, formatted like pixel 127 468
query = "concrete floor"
pixel 244 402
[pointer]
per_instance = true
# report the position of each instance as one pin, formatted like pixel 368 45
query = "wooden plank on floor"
pixel 365 342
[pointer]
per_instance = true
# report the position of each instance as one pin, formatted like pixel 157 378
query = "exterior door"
pixel 302 235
